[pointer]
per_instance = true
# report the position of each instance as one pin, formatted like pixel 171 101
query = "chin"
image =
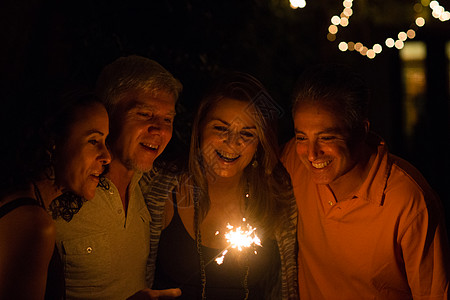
pixel 89 191
pixel 139 165
pixel 89 194
pixel 322 180
pixel 225 174
pixel 143 167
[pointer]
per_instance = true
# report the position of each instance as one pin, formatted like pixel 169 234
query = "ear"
pixel 366 126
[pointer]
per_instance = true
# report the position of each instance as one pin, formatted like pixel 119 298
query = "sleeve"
pixel 425 249
pixel 156 186
pixel 287 244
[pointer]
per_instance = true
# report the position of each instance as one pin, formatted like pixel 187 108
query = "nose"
pixel 233 138
pixel 154 125
pixel 105 156
pixel 159 123
pixel 314 150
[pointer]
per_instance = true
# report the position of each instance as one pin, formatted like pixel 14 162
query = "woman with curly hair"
pixel 234 178
pixel 60 156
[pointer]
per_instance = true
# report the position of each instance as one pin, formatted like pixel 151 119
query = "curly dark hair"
pixel 35 122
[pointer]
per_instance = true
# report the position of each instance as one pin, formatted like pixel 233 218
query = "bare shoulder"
pixel 27 241
pixel 29 224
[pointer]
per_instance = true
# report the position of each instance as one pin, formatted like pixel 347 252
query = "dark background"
pixel 52 42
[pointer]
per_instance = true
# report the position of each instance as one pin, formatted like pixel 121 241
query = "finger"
pixel 170 293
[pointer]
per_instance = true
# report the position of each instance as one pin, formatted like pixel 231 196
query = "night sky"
pixel 54 42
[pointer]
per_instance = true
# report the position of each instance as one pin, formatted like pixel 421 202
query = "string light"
pixel 297 3
pixel 343 20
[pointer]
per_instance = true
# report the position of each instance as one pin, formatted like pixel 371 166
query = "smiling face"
pixel 81 158
pixel 228 138
pixel 143 130
pixel 323 144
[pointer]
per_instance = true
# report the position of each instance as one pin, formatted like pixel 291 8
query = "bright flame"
pixel 240 238
pixel 219 260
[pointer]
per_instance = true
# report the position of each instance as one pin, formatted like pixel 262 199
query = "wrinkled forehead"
pixel 151 99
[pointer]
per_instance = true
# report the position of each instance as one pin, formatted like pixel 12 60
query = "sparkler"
pixel 239 238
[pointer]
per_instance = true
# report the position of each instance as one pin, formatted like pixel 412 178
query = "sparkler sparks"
pixel 239 238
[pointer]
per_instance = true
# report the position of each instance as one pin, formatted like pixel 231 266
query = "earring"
pixel 255 163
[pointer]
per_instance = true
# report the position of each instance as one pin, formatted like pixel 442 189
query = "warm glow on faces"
pixel 228 138
pixel 81 159
pixel 145 129
pixel 322 143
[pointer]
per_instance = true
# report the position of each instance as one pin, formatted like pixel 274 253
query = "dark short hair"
pixel 335 87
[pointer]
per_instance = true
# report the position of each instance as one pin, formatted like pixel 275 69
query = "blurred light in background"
pixel 413 56
pixel 297 3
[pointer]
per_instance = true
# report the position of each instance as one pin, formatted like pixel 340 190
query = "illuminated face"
pixel 81 159
pixel 322 143
pixel 145 128
pixel 228 138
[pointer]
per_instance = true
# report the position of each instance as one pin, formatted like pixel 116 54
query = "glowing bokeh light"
pixel 371 54
pixel 347 3
pixel 420 21
pixel 364 50
pixel 297 4
pixel 351 46
pixel 402 36
pixel 434 4
pixel 411 33
pixel 332 29
pixel 343 46
pixel 335 20
pixel 377 48
pixel 399 44
pixel 343 20
pixel 390 42
pixel 347 12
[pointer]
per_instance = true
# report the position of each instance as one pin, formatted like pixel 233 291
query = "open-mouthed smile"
pixel 228 157
pixel 321 165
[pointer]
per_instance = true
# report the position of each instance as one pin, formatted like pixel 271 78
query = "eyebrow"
pixel 94 131
pixel 325 131
pixel 228 124
pixel 146 106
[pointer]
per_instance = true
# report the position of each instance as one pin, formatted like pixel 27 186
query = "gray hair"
pixel 134 73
